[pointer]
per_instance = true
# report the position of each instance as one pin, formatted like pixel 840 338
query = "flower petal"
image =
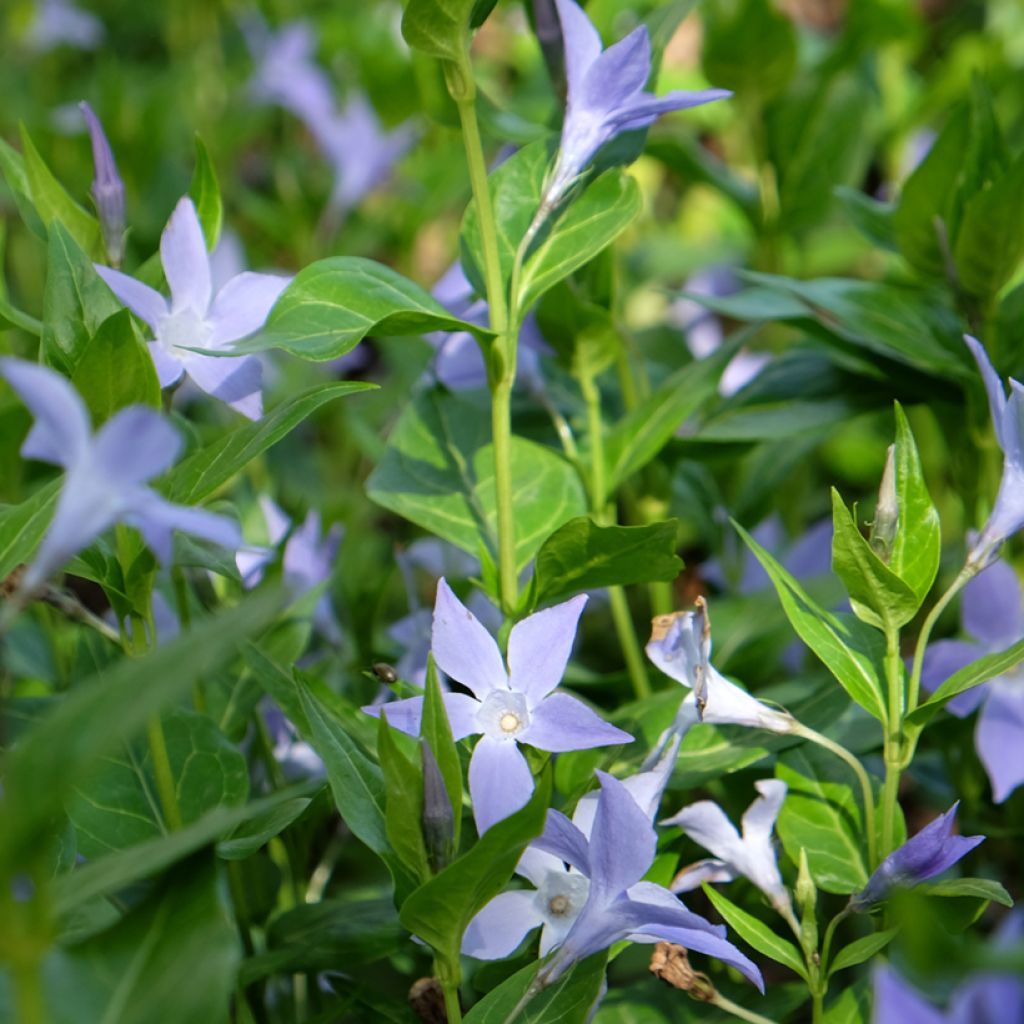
pixel 243 304
pixel 185 259
pixel 539 647
pixel 406 714
pixel 622 843
pixel 464 650
pixel 157 518
pixel 145 302
pixel 168 368
pixel 645 109
pixel 707 825
pixel 500 781
pixel 620 72
pixel 581 45
pixel 236 381
pixel 759 819
pixel 993 386
pixel 562 839
pixel 895 1002
pixel 1000 737
pixel 561 723
pixel 535 864
pixel 992 611
pixel 696 874
pixel 135 445
pixel 61 431
pixel 503 923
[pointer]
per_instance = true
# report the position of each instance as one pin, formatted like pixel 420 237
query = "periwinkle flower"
pixel 751 855
pixel 606 94
pixel 680 645
pixel 933 850
pixel 1008 419
pixel 198 318
pixel 62 23
pixel 106 473
pixel 510 705
pixel 991 612
pixel 107 187
pixel 608 901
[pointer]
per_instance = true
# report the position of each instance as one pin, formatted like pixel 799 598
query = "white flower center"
pixel 561 897
pixel 503 715
pixel 182 329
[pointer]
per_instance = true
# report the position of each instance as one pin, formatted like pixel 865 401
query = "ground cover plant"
pixel 510 511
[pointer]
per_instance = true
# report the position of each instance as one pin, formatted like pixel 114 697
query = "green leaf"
pixel 757 933
pixel 436 730
pixel 878 596
pixel 76 301
pixel 860 950
pixel 205 193
pixel 332 304
pixel 52 202
pixel 22 527
pixel 438 472
pixel 440 909
pixel 851 1006
pixel 584 556
pixel 103 713
pixel 199 475
pixel 177 951
pixel 871 217
pixel 118 807
pixel 569 1000
pixel 978 672
pixel 254 833
pixel 115 370
pixel 979 888
pixel 106 875
pixel 439 28
pixel 918 542
pixel 850 651
pixel 12 164
pixel 821 815
pixel 403 801
pixel 640 435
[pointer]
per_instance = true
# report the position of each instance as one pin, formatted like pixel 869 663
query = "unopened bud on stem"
pixel 438 817
pixel 887 512
pixel 107 188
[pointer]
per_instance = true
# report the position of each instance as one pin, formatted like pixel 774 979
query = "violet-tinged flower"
pixel 106 472
pixel 680 646
pixel 990 612
pixel 510 705
pixel 933 850
pixel 196 318
pixel 1008 418
pixel 62 23
pixel 751 855
pixel 298 760
pixel 107 188
pixel 609 902
pixel 606 94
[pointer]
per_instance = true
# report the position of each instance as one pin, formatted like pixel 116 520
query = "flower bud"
pixel 807 898
pixel 887 512
pixel 107 188
pixel 438 818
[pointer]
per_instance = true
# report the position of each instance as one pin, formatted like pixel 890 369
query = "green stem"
pixel 29 324
pixel 893 739
pixel 830 931
pixel 164 775
pixel 29 1001
pixel 866 789
pixel 595 430
pixel 631 651
pixel 449 979
pixel 817 1006
pixel 501 434
pixel 728 1006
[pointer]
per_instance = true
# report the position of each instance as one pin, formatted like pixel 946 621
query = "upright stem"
pixel 830 931
pixel 449 980
pixel 893 740
pixel 738 1011
pixel 164 775
pixel 501 435
pixel 866 789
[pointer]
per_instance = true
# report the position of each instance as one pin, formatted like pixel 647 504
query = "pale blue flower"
pixel 63 23
pixel 933 850
pixel 1008 419
pixel 198 318
pixel 606 94
pixel 106 473
pixel 607 901
pixel 510 705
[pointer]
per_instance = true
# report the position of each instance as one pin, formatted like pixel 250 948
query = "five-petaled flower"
pixel 680 646
pixel 196 320
pixel 751 855
pixel 106 472
pixel 606 94
pixel 933 850
pixel 508 706
pixel 1008 419
pixel 608 901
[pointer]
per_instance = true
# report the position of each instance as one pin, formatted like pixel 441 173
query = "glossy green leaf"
pixel 403 801
pixel 851 1006
pixel 254 833
pixel 977 888
pixel 440 909
pixel 22 527
pixel 584 556
pixel 878 596
pixel 332 304
pixel 76 302
pixel 436 730
pixel 860 950
pixel 822 815
pixel 569 1000
pixel 977 672
pixel 439 28
pixel 12 165
pixel 52 202
pixel 852 652
pixel 438 472
pixel 756 932
pixel 749 46
pixel 205 193
pixel 115 370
